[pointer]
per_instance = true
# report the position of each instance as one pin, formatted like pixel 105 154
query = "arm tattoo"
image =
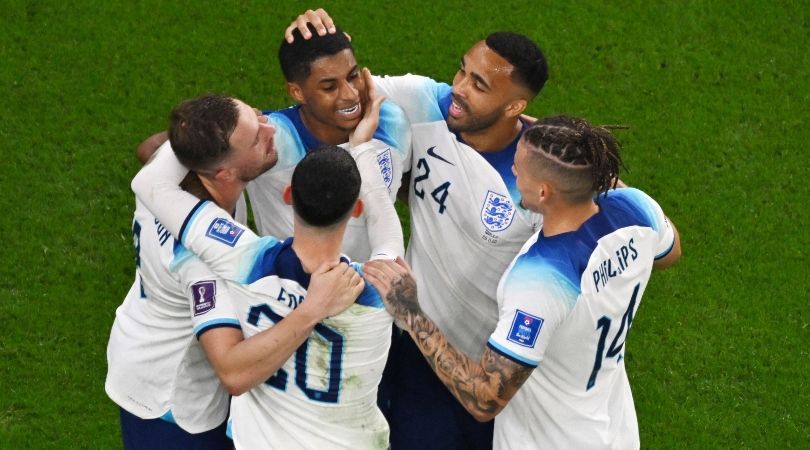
pixel 483 387
pixel 403 298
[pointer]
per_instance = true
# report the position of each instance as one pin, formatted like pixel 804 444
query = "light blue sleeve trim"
pixel 190 220
pixel 513 355
pixel 666 252
pixel 214 323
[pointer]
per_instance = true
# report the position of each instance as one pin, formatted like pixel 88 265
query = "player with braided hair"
pixel 567 300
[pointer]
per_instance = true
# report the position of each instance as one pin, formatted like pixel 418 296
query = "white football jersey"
pixel 466 225
pixel 156 366
pixel 566 305
pixel 292 139
pixel 325 395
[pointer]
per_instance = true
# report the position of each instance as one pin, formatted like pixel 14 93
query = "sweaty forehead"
pixel 482 59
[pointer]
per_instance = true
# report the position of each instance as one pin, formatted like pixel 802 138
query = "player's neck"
pixel 314 246
pixel 495 137
pixel 564 218
pixel 224 194
pixel 323 132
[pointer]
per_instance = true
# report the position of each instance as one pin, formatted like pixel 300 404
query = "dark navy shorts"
pixel 421 411
pixel 158 434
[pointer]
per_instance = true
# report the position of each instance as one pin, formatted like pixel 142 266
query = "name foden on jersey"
pixel 607 269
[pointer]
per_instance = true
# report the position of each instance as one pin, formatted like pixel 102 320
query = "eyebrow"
pixel 333 79
pixel 478 78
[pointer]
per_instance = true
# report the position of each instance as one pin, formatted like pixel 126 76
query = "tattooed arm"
pixel 483 387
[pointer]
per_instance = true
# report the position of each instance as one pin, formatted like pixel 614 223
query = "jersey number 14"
pixel 617 344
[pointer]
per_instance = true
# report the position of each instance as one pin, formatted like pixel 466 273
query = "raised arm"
pixel 385 231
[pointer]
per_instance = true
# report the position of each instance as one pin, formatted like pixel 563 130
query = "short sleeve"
pixel 209 296
pixel 653 216
pixel 534 299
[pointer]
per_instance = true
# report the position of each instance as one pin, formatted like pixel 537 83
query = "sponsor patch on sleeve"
pixel 205 296
pixel 525 329
pixel 224 231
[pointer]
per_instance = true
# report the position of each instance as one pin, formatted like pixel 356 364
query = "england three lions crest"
pixel 386 168
pixel 497 212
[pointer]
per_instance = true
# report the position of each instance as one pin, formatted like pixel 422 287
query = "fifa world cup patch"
pixel 205 296
pixel 225 231
pixel 525 329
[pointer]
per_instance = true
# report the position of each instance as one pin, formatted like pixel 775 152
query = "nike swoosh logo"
pixel 433 154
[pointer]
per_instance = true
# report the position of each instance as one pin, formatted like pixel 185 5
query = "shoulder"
pixel 635 203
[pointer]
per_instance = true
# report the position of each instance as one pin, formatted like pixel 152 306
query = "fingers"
pixel 401 261
pixel 371 88
pixel 319 20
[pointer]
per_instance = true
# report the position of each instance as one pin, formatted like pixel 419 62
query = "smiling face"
pixel 482 90
pixel 331 97
pixel 252 145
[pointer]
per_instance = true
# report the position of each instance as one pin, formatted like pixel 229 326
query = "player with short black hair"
pixel 329 88
pixel 530 67
pixel 296 58
pixel 553 370
pixel 319 198
pixel 466 223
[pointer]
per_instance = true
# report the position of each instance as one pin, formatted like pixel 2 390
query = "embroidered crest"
pixel 386 167
pixel 525 329
pixel 205 296
pixel 224 231
pixel 497 212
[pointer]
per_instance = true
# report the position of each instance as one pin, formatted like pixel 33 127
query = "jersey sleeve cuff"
pixel 666 252
pixel 506 353
pixel 219 323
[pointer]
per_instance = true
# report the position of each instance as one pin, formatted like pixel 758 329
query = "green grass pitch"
pixel 716 95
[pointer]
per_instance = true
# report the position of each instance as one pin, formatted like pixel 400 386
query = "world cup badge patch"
pixel 386 167
pixel 497 212
pixel 204 294
pixel 525 329
pixel 224 231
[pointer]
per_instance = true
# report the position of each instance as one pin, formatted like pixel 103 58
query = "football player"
pixel 553 370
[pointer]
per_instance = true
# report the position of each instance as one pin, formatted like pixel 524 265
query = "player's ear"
pixel 516 107
pixel 544 191
pixel 357 210
pixel 286 194
pixel 294 90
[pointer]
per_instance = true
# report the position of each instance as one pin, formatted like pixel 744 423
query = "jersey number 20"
pixel 279 380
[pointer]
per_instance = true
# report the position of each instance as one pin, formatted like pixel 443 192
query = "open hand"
pixel 371 112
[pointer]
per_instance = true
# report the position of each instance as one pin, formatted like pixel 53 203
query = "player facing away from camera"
pixel 158 372
pixel 330 91
pixel 466 224
pixel 553 370
pixel 325 395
